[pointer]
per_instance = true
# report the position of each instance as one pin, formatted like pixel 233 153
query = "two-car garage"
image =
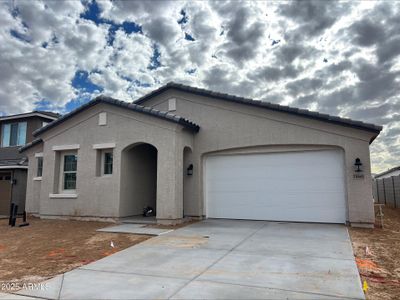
pixel 303 186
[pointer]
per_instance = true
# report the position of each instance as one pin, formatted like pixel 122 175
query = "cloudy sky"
pixel 341 58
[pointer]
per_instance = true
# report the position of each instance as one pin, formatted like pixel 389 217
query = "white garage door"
pixel 293 186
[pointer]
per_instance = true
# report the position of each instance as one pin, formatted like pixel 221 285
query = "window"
pixel 13 134
pixel 69 172
pixel 108 163
pixel 39 167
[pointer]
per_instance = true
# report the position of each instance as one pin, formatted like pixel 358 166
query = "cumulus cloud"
pixel 338 58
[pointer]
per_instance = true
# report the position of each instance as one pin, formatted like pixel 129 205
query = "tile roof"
pixel 40 113
pixel 48 113
pixel 262 104
pixel 10 154
pixel 134 107
pixel 13 163
pixel 30 145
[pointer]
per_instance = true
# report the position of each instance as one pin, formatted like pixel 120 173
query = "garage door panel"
pixel 296 186
pixel 275 185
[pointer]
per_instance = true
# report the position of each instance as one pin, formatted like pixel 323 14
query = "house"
pixel 191 152
pixel 388 173
pixel 16 131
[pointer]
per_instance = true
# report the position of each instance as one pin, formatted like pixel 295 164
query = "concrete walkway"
pixel 135 229
pixel 222 259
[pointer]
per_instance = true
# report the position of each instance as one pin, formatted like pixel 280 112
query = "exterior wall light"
pixel 189 170
pixel 358 164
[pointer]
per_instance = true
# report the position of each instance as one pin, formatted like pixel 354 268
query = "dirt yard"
pixel 379 264
pixel 50 247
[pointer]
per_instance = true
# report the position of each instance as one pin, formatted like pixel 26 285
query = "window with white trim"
pixel 39 171
pixel 13 134
pixel 70 162
pixel 108 162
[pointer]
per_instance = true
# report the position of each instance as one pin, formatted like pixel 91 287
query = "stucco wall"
pixel 188 182
pixel 99 196
pixel 33 186
pixel 226 126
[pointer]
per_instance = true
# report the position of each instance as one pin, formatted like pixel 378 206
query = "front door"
pixel 5 193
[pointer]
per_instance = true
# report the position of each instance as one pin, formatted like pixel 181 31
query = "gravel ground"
pixel 379 264
pixel 47 248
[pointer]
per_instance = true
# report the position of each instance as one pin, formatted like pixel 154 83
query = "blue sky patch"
pixel 75 103
pixel 43 105
pixel 20 36
pixel 131 27
pixel 189 37
pixel 92 13
pixel 85 87
pixel 155 59
pixel 82 82
pixel 184 18
pixel 141 84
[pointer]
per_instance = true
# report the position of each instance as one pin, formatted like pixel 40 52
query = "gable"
pixel 145 100
pixel 125 105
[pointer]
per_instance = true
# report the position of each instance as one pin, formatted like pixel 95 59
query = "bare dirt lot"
pixel 50 247
pixel 379 264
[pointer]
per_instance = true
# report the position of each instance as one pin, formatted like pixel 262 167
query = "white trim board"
pixel 104 146
pixel 13 167
pixel 71 196
pixel 66 147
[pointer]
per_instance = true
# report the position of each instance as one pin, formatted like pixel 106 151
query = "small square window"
pixel 108 163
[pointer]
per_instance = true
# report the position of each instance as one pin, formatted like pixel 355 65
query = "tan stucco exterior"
pixel 225 128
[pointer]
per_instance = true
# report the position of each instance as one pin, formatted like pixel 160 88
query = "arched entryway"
pixel 138 179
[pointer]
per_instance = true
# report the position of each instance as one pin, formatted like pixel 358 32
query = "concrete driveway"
pixel 222 259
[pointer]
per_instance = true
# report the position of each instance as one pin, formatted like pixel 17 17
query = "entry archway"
pixel 138 179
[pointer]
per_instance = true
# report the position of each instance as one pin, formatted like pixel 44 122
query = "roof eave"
pixel 257 103
pixel 30 145
pixel 28 115
pixel 117 103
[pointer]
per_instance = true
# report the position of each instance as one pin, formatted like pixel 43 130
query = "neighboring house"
pixel 389 173
pixel 191 152
pixel 16 131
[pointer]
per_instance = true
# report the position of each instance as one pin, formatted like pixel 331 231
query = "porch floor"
pixel 139 220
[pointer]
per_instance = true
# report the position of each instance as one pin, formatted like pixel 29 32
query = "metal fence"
pixel 387 191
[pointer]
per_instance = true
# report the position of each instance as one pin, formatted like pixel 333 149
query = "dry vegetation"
pixel 50 247
pixel 379 264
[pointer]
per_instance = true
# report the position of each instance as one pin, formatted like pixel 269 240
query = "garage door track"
pixel 222 259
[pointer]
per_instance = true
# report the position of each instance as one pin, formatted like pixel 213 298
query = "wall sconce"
pixel 358 164
pixel 189 170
